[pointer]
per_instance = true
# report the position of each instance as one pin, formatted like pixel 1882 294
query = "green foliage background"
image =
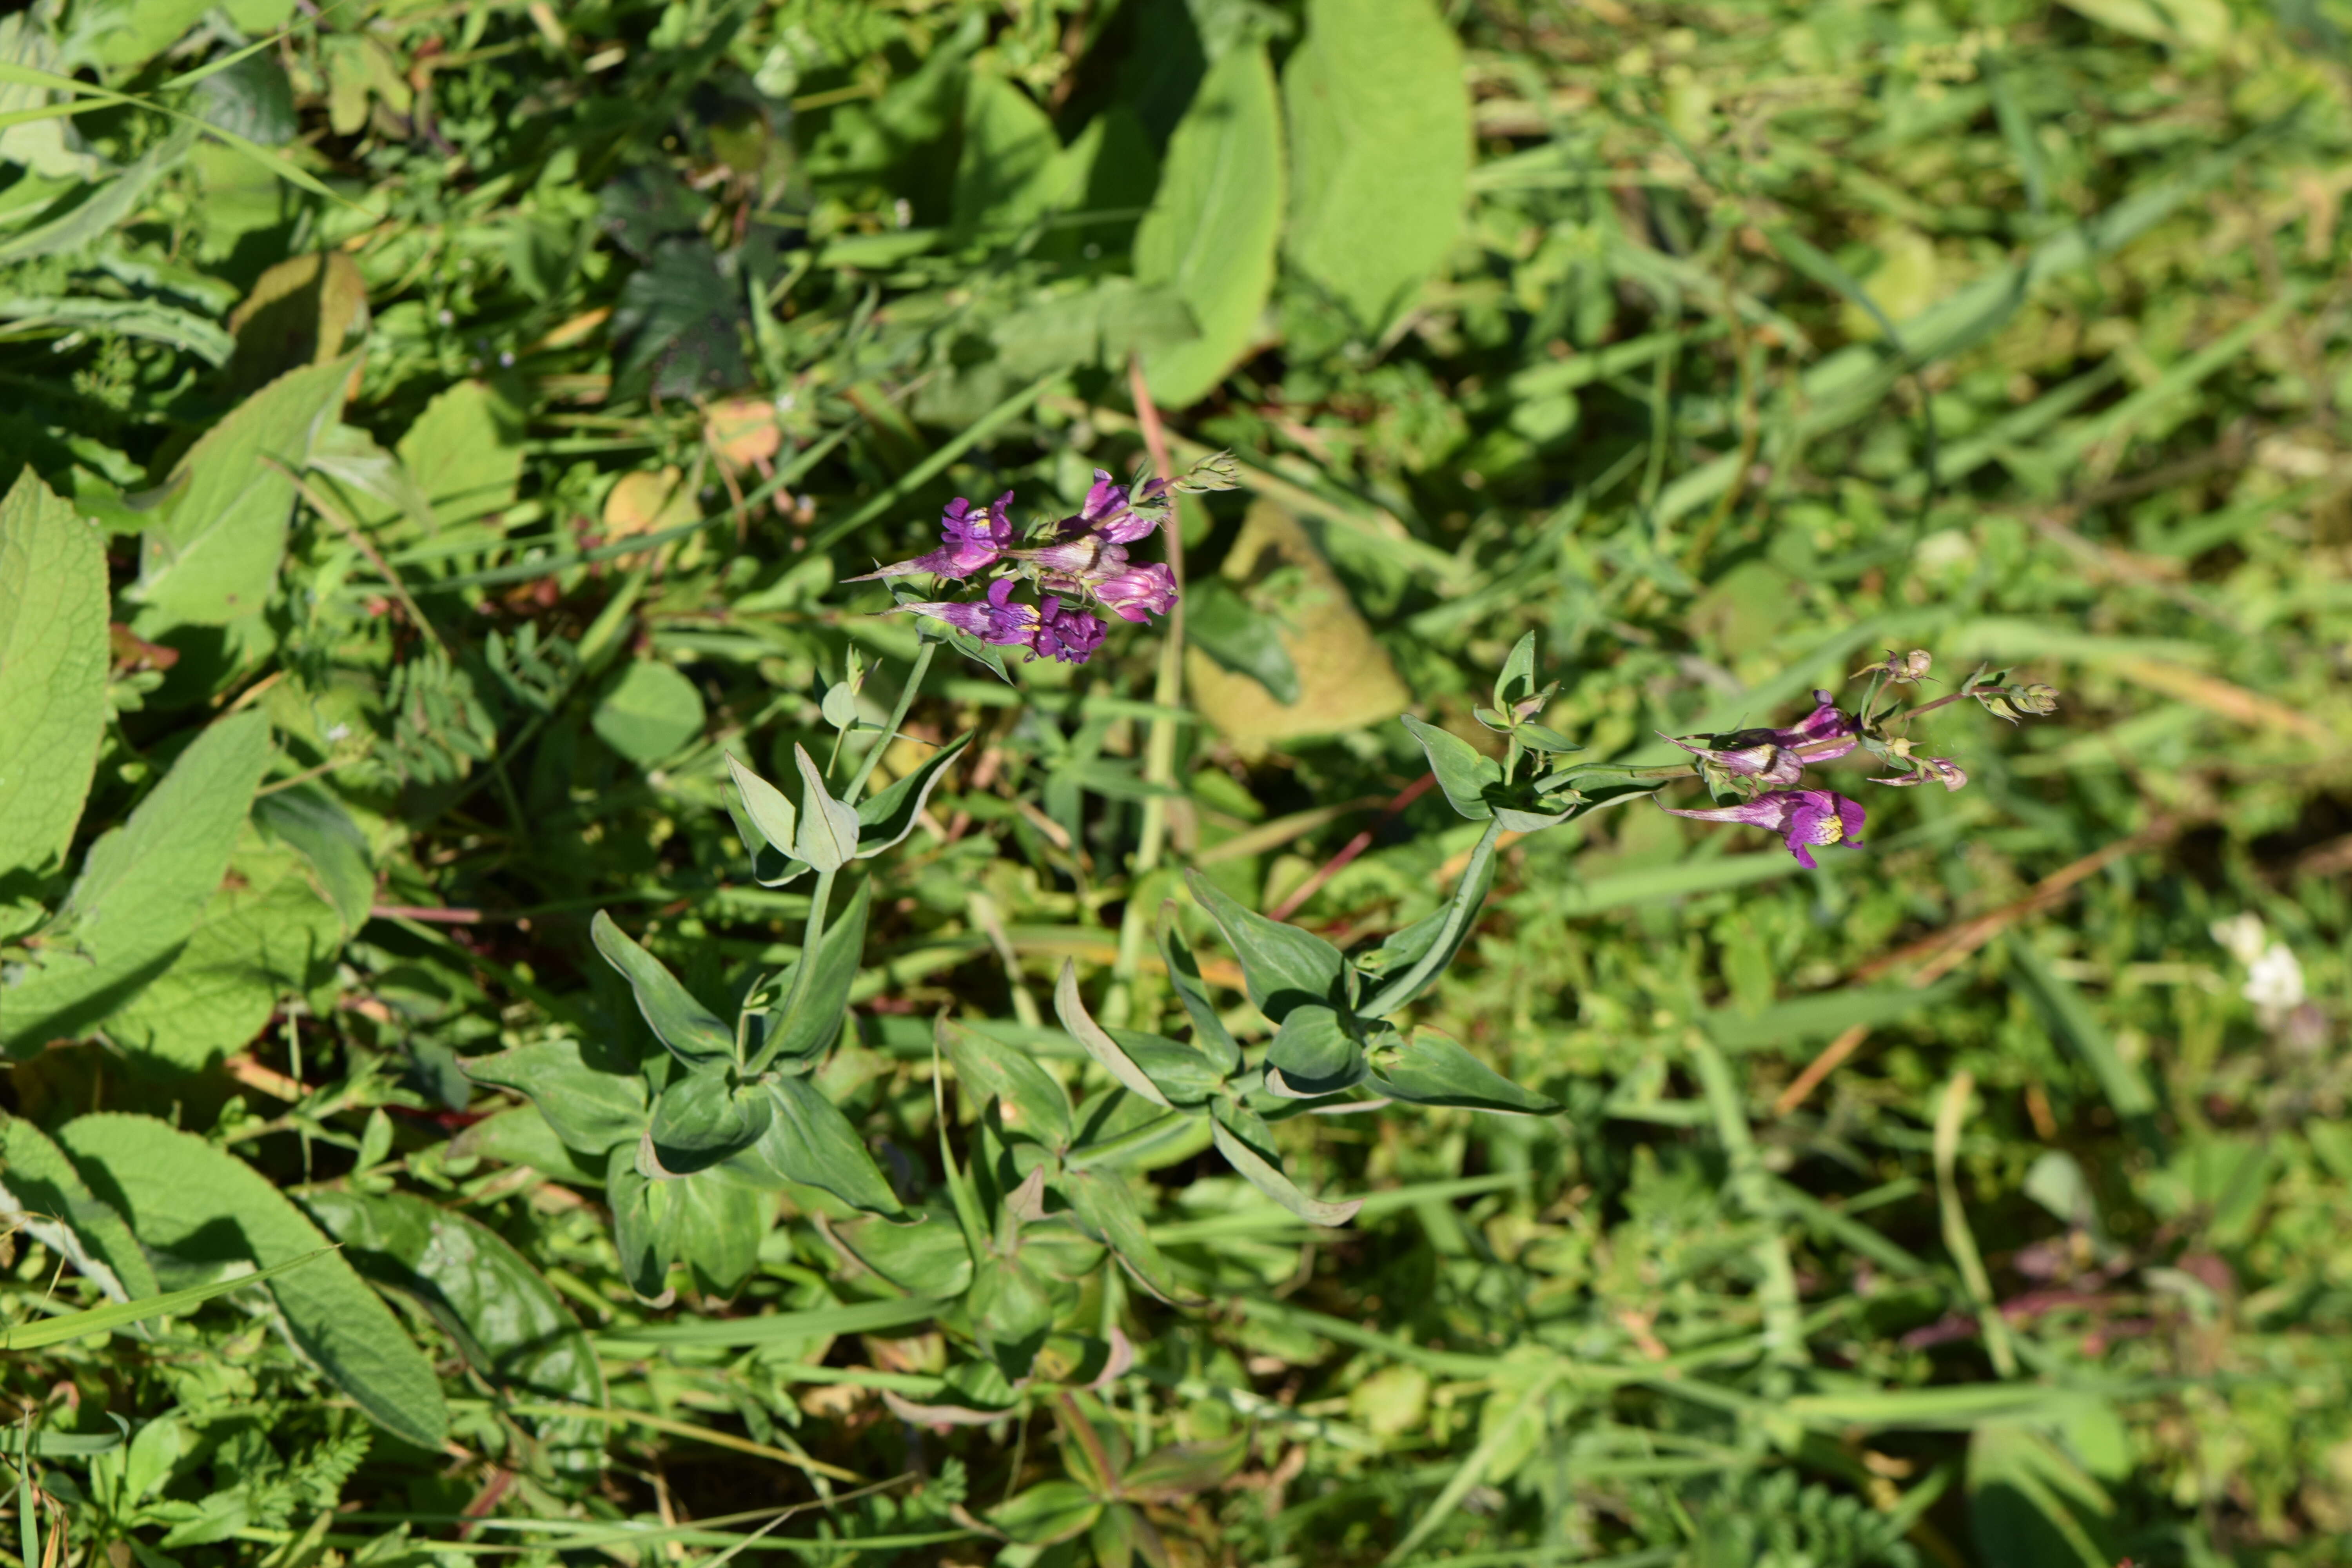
pixel 443 427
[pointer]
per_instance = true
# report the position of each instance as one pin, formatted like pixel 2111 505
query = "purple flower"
pixel 1050 628
pixel 1139 592
pixel 974 539
pixel 1070 635
pixel 974 617
pixel 1115 517
pixel 1801 817
pixel 1779 757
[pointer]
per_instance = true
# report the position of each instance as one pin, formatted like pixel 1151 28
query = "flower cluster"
pixel 1766 768
pixel 1077 565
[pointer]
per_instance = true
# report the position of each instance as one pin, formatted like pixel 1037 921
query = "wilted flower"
pixel 1902 668
pixel 1779 757
pixel 974 539
pixel 1802 818
pixel 1944 771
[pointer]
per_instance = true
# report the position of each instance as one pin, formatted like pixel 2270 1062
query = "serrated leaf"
pixel 143 886
pixel 702 1116
pixel 53 658
pixel 590 1111
pixel 692 1032
pixel 1314 1054
pixel 1210 236
pixel 195 1208
pixel 1431 1069
pixel 884 818
pixel 1462 771
pixel 990 1068
pixel 1283 966
pixel 1243 1138
pixel 214 557
pixel 1379 148
pixel 1210 1035
pixel 41 1190
pixel 507 1320
pixel 1071 1008
pixel 827 838
pixel 813 1028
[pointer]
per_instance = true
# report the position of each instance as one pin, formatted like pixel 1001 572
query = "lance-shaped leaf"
pixel 1314 1054
pixel 887 816
pixel 1182 1074
pixel 1243 1138
pixel 827 838
pixel 809 1141
pixel 703 1117
pixel 644 1223
pixel 812 1028
pixel 1210 1035
pixel 1431 1068
pixel 1106 1205
pixel 1463 772
pixel 692 1032
pixel 769 823
pixel 1181 1471
pixel 990 1069
pixel 929 1257
pixel 770 866
pixel 1071 1008
pixel 590 1111
pixel 1285 967
pixel 719 1227
pixel 1422 969
pixel 1517 679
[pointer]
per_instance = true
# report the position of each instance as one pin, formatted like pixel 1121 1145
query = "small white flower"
pixel 2243 935
pixel 2275 979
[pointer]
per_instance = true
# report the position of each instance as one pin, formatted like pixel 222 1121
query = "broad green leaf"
pixel 703 1115
pixel 465 452
pixel 1285 967
pixel 884 818
pixel 828 828
pixel 1462 772
pixel 123 1314
pixel 2031 1506
pixel 810 1141
pixel 53 658
pixel 718 1224
pixel 1011 171
pixel 1247 1144
pixel 522 1136
pixel 1071 1008
pixel 990 1069
pixel 1182 1075
pixel 1012 1309
pixel 648 711
pixel 267 932
pixel 1379 150
pixel 645 1223
pixel 316 824
pixel 929 1257
pixel 509 1321
pixel 811 1031
pixel 214 557
pixel 1517 679
pixel 1210 236
pixel 1106 1203
pixel 1431 1069
pixel 1210 1035
pixel 767 808
pixel 590 1111
pixel 1224 625
pixel 690 1030
pixel 195 1208
pixel 41 1190
pixel 1314 1054
pixel 142 887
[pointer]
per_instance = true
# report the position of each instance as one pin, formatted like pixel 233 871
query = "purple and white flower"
pixel 1804 819
pixel 1780 757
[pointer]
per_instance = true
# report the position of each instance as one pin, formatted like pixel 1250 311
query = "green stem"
pixel 897 717
pixel 805 966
